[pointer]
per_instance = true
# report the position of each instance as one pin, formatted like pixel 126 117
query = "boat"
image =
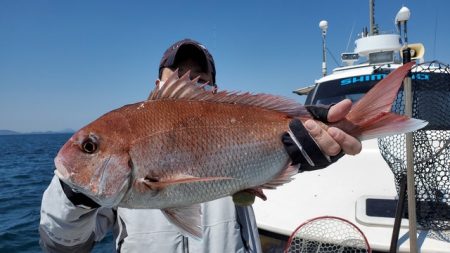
pixel 365 189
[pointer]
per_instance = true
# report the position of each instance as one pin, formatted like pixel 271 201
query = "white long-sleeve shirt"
pixel 68 228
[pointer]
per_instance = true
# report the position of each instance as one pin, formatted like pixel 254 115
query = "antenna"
pixel 371 17
pixel 435 32
pixel 350 36
pixel 323 25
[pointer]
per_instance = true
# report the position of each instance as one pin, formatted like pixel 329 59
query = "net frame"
pixel 294 234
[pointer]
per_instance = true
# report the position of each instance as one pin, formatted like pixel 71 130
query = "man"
pixel 71 222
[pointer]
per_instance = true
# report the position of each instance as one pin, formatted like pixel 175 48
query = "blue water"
pixel 26 168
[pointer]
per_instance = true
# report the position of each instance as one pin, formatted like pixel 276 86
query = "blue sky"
pixel 65 63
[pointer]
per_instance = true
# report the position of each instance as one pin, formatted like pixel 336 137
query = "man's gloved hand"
pixel 78 199
pixel 314 147
pixel 302 148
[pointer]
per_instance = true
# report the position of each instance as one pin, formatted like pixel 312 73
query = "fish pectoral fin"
pixel 156 184
pixel 187 219
pixel 247 197
pixel 285 176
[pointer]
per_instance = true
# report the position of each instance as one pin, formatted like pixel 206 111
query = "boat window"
pixel 337 90
pixel 336 99
pixel 381 57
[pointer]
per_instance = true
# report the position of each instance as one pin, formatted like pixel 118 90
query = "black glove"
pixel 78 199
pixel 302 148
pixel 319 112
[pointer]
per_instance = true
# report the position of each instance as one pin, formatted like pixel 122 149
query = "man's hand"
pixel 333 140
pixel 315 145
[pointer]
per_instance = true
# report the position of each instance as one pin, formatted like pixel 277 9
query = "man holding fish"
pixel 150 205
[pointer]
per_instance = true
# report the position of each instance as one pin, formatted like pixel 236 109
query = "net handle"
pixel 288 244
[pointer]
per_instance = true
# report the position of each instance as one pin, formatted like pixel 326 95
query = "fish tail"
pixel 371 116
pixel 389 124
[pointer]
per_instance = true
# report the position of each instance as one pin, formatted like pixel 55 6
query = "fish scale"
pixel 200 148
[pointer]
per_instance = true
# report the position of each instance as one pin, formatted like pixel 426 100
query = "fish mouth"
pixel 101 200
pixel 61 171
pixel 97 194
pixel 63 174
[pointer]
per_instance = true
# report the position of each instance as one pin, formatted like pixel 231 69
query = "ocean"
pixel 26 165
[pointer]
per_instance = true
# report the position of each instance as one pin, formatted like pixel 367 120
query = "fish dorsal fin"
pixel 187 89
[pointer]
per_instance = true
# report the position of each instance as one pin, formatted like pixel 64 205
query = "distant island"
pixel 8 132
pixel 11 132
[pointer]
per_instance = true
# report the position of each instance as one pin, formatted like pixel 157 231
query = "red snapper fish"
pixel 185 146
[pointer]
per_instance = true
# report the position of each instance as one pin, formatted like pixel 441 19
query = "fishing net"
pixel 327 234
pixel 431 145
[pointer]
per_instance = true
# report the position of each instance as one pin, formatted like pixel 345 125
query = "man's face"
pixel 186 66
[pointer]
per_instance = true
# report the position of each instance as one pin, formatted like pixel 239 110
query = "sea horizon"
pixel 15 132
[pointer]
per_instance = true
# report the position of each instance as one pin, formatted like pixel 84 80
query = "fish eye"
pixel 89 145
